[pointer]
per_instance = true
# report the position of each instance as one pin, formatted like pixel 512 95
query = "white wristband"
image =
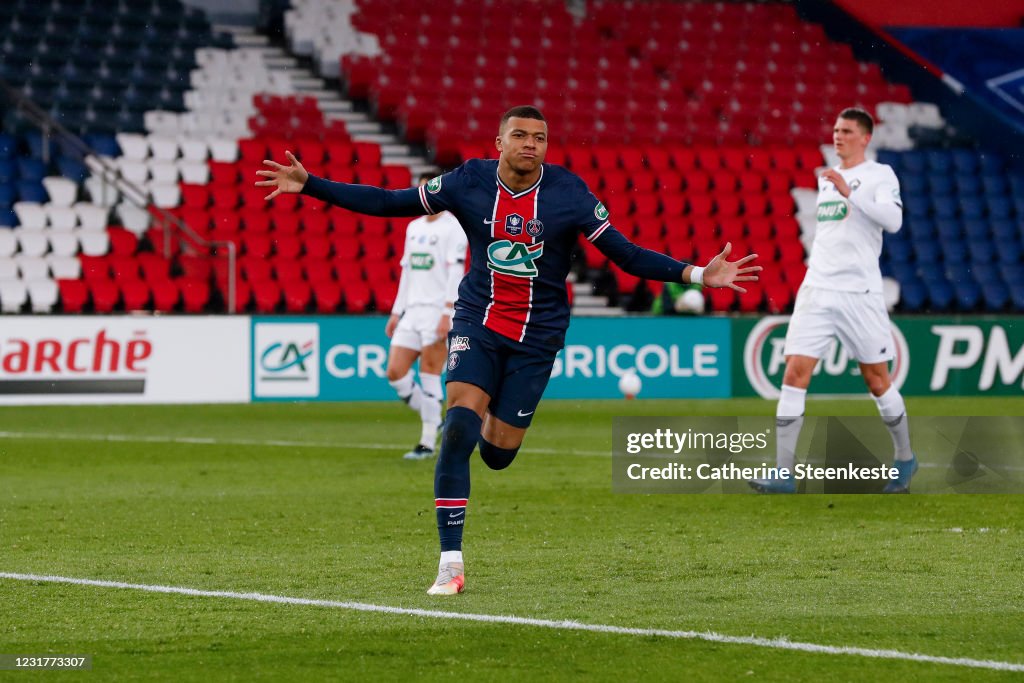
pixel 697 276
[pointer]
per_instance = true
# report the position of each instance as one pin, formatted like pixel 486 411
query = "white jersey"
pixel 848 242
pixel 432 249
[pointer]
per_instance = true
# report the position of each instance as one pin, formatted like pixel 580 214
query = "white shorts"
pixel 859 319
pixel 417 328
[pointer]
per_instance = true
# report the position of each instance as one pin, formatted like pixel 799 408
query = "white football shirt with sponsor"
pixel 431 249
pixel 847 243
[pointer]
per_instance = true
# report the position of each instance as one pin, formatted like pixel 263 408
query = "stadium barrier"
pixel 123 359
pixel 209 359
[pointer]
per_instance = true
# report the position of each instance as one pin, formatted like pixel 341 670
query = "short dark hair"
pixel 523 111
pixel 860 116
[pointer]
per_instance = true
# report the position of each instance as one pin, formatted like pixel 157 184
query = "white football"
pixel 630 384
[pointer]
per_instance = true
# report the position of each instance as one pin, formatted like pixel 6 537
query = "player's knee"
pixel 395 373
pixel 494 457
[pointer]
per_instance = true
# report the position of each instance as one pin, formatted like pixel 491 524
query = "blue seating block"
pixel 31 169
pixel 940 294
pixel 940 160
pixel 940 183
pixel 32 191
pixel 967 295
pixel 965 160
pixel 944 207
pixel 913 295
pixel 972 207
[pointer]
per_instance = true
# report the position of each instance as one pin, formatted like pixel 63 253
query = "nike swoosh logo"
pixel 522 414
pixel 490 222
pixel 453 515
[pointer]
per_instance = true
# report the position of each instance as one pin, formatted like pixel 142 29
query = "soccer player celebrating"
pixel 432 268
pixel 841 295
pixel 522 218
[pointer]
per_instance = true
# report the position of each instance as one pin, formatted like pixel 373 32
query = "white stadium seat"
pixel 224 149
pixel 161 122
pixel 163 171
pixel 164 148
pixel 32 267
pixel 64 243
pixel 31 215
pixel 8 269
pixel 64 267
pixel 104 193
pixel 195 172
pixel 133 171
pixel 43 294
pixel 13 295
pixel 134 147
pixel 61 217
pixel 94 242
pixel 8 242
pixel 92 216
pixel 33 242
pixel 165 195
pixel 193 149
pixel 62 191
pixel 134 218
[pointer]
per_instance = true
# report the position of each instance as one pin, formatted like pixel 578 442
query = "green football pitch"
pixel 252 505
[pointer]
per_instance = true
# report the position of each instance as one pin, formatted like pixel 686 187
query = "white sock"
pixel 894 414
pixel 789 418
pixel 408 390
pixel 430 409
pixel 450 556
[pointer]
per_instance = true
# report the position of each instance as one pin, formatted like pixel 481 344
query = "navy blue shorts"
pixel 513 374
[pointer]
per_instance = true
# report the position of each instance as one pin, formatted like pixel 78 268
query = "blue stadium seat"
pixel 913 183
pixel 898 251
pixel 995 295
pixel 999 207
pixel 32 191
pixel 919 228
pixel 104 144
pixel 7 195
pixel 958 271
pixel 926 251
pixel 8 146
pixel 916 206
pixel 940 294
pixel 967 185
pixel 1018 206
pixel 894 159
pixel 967 295
pixel 965 160
pixel 1017 297
pixel 976 229
pixel 73 169
pixel 972 207
pixel 8 170
pixel 944 207
pixel 1004 229
pixel 948 229
pixel 1017 183
pixel 981 250
pixel 914 161
pixel 913 295
pixel 991 162
pixel 34 141
pixel 1012 273
pixel 903 272
pixel 31 169
pixel 994 184
pixel 8 218
pixel 1008 251
pixel 940 160
pixel 940 183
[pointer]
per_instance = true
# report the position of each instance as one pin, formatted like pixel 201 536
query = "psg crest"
pixel 534 227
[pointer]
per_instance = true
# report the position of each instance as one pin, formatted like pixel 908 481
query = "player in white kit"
pixel 433 263
pixel 841 296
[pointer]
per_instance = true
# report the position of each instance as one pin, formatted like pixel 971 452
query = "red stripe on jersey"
pixel 511 295
pixel 450 502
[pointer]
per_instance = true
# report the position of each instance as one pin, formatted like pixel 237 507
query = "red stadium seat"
pixel 297 296
pixel 105 295
pixel 327 295
pixel 135 293
pixel 165 294
pixel 122 242
pixel 357 297
pixel 266 295
pixel 73 295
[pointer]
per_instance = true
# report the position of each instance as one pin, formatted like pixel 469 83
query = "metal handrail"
pixel 110 173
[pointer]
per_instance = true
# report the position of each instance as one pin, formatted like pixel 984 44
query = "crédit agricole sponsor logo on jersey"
pixel 514 258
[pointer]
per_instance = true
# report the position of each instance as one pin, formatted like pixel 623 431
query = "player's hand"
pixel 834 177
pixel 444 326
pixel 287 179
pixel 389 329
pixel 721 272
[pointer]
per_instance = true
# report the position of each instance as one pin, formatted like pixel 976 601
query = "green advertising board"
pixel 954 356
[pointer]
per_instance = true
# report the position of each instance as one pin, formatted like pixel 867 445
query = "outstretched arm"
pixel 720 272
pixel 373 201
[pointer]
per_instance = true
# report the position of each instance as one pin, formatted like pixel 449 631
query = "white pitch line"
pixel 565 625
pixel 208 441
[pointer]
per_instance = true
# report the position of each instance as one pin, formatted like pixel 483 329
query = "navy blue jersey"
pixel 520 242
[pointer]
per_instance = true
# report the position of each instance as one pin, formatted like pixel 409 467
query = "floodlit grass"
pixel 314 501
